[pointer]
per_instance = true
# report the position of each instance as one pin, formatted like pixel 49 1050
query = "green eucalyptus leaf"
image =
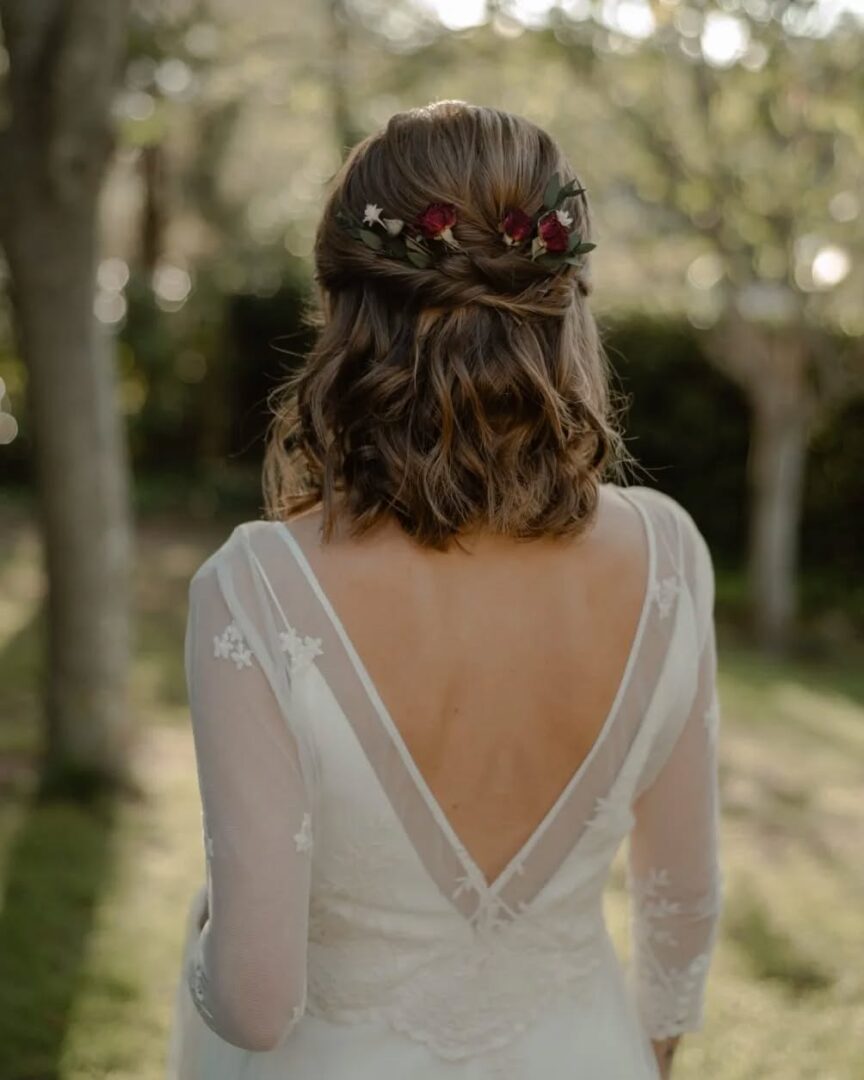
pixel 575 240
pixel 348 219
pixel 570 189
pixel 552 193
pixel 419 258
pixel 396 246
pixel 371 240
pixel 582 248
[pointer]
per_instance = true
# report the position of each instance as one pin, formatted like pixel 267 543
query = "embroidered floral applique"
pixel 489 916
pixel 464 883
pixel 303 838
pixel 301 650
pixel 230 645
pixel 664 593
pixel 672 1000
pixel 612 815
pixel 648 894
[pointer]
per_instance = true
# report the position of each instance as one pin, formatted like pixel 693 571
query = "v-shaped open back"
pixel 307 612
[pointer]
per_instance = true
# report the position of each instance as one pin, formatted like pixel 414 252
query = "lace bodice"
pixel 335 883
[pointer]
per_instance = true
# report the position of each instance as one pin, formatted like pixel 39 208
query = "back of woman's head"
pixel 470 391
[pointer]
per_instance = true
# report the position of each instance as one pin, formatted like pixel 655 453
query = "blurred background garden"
pixel 162 164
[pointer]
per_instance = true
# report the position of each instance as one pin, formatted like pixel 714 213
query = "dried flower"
pixel 436 222
pixel 552 235
pixel 554 242
pixel 517 227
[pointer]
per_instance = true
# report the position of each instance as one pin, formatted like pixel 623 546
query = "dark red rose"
pixel 437 220
pixel 554 234
pixel 516 226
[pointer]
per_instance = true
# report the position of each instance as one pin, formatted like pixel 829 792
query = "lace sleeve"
pixel 673 867
pixel 247 972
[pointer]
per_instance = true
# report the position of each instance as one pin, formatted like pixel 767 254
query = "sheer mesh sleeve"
pixel 247 973
pixel 673 869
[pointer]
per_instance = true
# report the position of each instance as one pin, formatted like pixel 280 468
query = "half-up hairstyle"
pixel 472 393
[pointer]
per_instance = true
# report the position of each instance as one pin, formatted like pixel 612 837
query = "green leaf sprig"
pixel 553 196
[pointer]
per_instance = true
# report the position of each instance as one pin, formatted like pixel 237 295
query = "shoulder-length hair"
pixel 473 393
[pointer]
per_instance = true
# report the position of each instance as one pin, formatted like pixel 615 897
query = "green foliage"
pixel 773 954
pixel 686 424
pixel 195 381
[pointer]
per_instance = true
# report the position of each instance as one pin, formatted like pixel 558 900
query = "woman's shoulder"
pixel 664 504
pixel 674 523
pixel 242 539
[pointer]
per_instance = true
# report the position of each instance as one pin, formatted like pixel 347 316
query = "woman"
pixel 455 668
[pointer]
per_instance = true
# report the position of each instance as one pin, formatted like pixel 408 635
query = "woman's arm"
pixel 673 866
pixel 247 972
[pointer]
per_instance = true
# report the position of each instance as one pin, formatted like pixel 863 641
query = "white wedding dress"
pixel 351 936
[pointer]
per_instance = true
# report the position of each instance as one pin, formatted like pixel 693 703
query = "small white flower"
pixel 565 218
pixel 301 650
pixel 658 878
pixel 463 884
pixel 303 838
pixel 231 646
pixel 372 214
pixel 393 225
pixel 222 647
pixel 242 656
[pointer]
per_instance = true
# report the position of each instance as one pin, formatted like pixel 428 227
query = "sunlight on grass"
pixel 94 900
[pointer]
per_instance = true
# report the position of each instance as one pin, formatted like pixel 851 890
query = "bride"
pixel 455 667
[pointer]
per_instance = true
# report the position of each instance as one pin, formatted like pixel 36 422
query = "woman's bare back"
pixel 498 660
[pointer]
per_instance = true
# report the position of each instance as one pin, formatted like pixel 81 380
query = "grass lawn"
pixel 92 901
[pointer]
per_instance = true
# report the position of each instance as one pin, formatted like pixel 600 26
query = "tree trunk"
pixel 778 451
pixel 770 364
pixel 64 59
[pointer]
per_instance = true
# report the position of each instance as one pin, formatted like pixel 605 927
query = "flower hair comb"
pixel 553 240
pixel 400 240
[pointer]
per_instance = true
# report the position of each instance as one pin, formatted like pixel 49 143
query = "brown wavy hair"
pixel 474 393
